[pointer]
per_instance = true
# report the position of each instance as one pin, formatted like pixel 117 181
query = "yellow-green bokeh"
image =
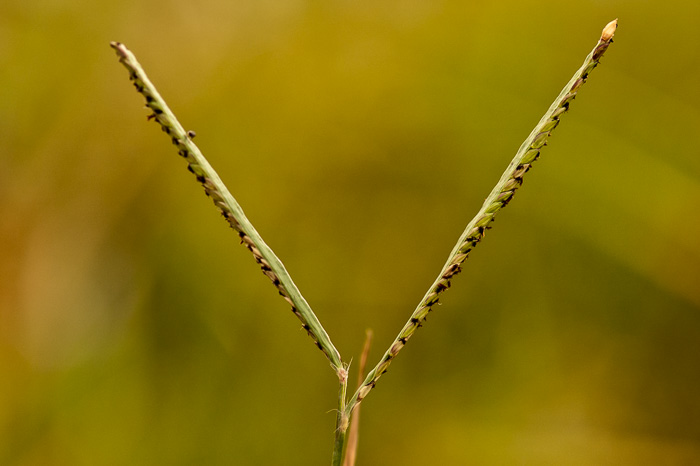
pixel 360 137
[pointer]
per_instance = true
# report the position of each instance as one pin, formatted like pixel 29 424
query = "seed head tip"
pixel 609 30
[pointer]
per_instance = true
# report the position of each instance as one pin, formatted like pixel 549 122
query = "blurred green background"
pixel 360 137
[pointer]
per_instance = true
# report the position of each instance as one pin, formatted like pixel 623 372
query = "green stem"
pixel 342 420
pixel 499 197
pixel 271 266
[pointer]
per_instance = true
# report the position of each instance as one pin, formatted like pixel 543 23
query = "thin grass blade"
pixel 354 431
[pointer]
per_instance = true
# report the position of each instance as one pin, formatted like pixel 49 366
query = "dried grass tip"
pixel 609 31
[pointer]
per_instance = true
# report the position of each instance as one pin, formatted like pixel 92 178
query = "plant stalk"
pixel 342 420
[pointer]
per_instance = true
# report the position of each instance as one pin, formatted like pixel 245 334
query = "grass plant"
pixel 272 267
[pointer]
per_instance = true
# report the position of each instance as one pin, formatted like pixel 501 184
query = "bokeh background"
pixel 360 137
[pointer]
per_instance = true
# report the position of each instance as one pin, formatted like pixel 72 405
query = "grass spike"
pixel 499 197
pixel 271 266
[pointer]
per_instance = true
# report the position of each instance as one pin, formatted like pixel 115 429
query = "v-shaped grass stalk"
pixel 273 268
